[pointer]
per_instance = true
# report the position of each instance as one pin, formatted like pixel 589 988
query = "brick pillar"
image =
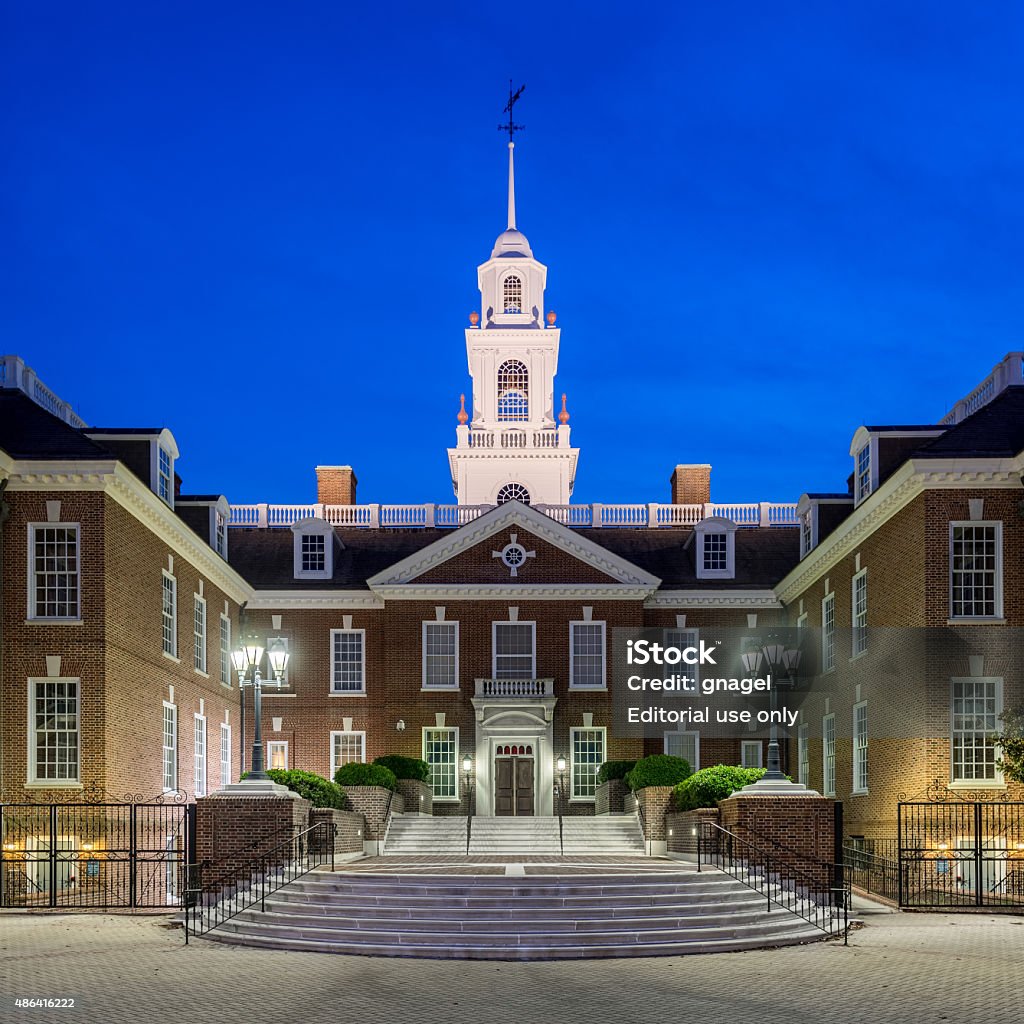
pixel 798 830
pixel 233 830
pixel 335 485
pixel 691 484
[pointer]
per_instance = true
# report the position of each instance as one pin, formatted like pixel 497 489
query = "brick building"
pixel 485 627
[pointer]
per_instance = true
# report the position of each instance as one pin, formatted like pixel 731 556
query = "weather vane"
pixel 511 127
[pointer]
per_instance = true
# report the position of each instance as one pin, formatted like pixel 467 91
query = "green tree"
pixel 1011 744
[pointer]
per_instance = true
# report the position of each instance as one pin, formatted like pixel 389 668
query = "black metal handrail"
pixel 822 904
pixel 643 824
pixel 209 906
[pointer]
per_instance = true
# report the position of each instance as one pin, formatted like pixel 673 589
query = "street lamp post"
pixel 779 658
pixel 467 770
pixel 247 660
pixel 560 765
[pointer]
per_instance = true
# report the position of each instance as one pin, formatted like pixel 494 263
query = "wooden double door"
pixel 514 781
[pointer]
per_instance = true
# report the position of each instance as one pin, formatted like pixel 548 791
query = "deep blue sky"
pixel 258 224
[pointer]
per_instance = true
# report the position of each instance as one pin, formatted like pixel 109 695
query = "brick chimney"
pixel 335 485
pixel 691 485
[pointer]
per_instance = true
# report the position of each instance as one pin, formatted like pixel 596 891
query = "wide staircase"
pixel 597 911
pixel 610 835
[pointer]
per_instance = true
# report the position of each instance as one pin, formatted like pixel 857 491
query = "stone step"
pixel 494 917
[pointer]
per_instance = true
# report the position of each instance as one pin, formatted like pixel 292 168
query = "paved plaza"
pixel 898 969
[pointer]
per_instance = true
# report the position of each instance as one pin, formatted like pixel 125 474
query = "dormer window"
pixel 314 553
pixel 716 549
pixel 862 479
pixel 513 391
pixel 164 474
pixel 512 289
pixel 806 533
pixel 220 532
pixel 314 549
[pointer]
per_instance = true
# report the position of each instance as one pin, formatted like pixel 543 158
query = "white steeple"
pixel 512 446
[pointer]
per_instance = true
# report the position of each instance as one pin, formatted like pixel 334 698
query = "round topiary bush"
pixel 319 791
pixel 706 787
pixel 658 770
pixel 405 767
pixel 357 774
pixel 614 770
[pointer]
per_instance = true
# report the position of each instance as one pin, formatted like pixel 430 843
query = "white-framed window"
pixel 683 638
pixel 220 533
pixel 169 612
pixel 860 747
pixel 862 472
pixel 715 545
pixel 346 748
pixel 165 474
pixel 588 747
pixel 587 656
pixel 54 579
pixel 199 763
pixel 977 703
pixel 685 745
pixel 751 754
pixel 514 650
pixel 716 548
pixel 828 755
pixel 53 740
pixel 441 752
pixel 225 650
pixel 828 632
pixel 225 754
pixel 976 570
pixel 313 549
pixel 859 612
pixel 801 620
pixel 170 747
pixel 348 660
pixel 808 531
pixel 200 634
pixel 803 755
pixel 277 754
pixel 512 492
pixel 278 643
pixel 440 655
pixel 513 391
pixel 512 294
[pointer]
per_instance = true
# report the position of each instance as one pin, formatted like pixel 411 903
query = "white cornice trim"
pixel 343 599
pixel 913 478
pixel 511 515
pixel 512 592
pixel 119 483
pixel 713 599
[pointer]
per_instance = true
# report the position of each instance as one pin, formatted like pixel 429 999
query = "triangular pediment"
pixel 514 545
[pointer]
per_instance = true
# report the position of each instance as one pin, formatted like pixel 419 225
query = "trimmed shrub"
pixel 405 767
pixel 658 770
pixel 319 791
pixel 356 774
pixel 706 787
pixel 614 770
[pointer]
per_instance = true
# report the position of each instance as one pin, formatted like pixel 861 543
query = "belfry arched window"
pixel 513 391
pixel 513 492
pixel 513 294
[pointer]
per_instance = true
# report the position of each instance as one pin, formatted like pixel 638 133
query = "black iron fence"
pixel 247 885
pixel 868 869
pixel 961 855
pixel 811 893
pixel 95 855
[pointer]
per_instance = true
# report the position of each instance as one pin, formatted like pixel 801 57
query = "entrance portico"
pixel 514 716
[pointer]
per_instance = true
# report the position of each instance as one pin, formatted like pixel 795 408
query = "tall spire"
pixel 511 187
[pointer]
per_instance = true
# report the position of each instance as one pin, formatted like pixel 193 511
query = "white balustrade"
pixel 1009 371
pixel 652 515
pixel 522 689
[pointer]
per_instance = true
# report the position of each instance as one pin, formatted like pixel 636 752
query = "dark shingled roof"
pixel 196 497
pixel 907 428
pixel 123 430
pixel 265 556
pixel 28 431
pixel 996 430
